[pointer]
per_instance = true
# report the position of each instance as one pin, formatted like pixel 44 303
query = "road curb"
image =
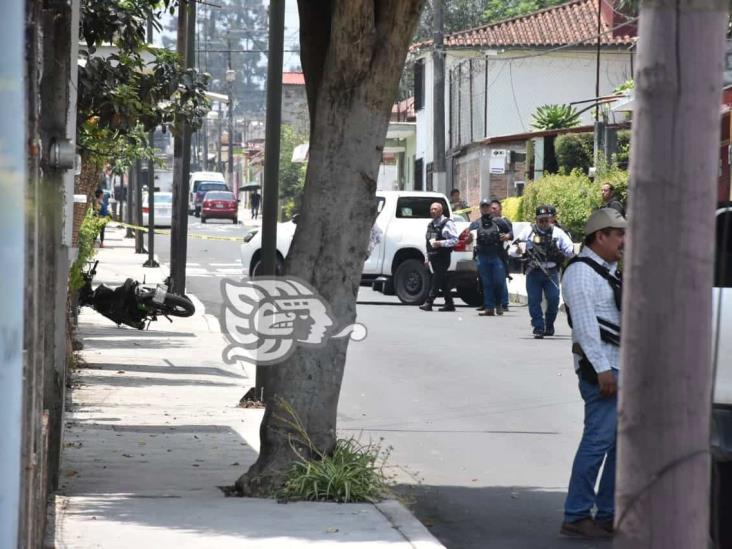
pixel 407 524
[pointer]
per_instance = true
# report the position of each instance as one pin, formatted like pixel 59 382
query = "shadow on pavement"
pixel 150 369
pixel 121 380
pixel 505 517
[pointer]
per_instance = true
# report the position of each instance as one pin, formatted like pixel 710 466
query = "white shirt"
pixel 589 296
pixel 564 243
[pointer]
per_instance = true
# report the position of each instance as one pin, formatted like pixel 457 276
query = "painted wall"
pixel 518 81
pixel 519 84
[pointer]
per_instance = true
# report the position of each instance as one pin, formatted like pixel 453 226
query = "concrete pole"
pixel 270 192
pixel 182 160
pixel 12 257
pixel 438 100
pixel 662 490
pixel 140 181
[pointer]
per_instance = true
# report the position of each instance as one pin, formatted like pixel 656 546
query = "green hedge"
pixel 575 196
pixel 512 207
pixel 574 151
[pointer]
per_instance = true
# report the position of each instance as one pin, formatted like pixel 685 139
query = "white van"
pixel 200 183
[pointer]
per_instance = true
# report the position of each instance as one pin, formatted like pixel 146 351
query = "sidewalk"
pixel 153 429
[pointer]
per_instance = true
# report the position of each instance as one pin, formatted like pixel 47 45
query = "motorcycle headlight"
pixel 250 235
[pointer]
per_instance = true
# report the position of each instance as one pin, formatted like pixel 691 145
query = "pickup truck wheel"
pixel 471 295
pixel 412 282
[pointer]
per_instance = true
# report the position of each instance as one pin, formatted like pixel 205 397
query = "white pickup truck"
pixel 722 408
pixel 396 264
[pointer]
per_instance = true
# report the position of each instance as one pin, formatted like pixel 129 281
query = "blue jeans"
pixel 492 276
pixel 597 444
pixel 504 291
pixel 537 286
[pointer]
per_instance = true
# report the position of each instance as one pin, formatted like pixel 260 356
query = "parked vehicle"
pixel 397 263
pixel 219 205
pixel 163 209
pixel 200 184
pixel 132 304
pixel 722 406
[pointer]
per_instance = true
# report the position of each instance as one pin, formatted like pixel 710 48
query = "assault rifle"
pixel 535 258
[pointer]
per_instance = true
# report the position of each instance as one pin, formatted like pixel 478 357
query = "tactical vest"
pixel 546 246
pixel 609 331
pixel 489 237
pixel 434 232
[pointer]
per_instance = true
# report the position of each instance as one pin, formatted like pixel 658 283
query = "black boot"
pixel 427 305
pixel 449 306
pixel 538 333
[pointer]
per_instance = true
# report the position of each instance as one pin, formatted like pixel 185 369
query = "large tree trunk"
pixel 662 489
pixel 352 55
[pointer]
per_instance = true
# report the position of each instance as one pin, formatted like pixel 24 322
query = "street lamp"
pixel 230 78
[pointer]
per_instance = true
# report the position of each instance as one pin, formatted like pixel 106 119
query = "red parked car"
pixel 219 205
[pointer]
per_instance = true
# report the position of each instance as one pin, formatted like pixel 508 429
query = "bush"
pixel 575 196
pixel 512 207
pixel 88 232
pixel 352 472
pixel 622 157
pixel 574 151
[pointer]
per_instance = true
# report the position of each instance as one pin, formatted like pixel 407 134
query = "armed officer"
pixel 592 293
pixel 491 230
pixel 545 247
pixel 440 239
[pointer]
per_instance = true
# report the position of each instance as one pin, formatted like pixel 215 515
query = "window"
pixel 723 256
pixel 417 207
pixel 419 84
pixel 214 195
pixel 418 179
pixel 429 177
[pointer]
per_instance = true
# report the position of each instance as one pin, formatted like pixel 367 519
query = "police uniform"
pixel 490 261
pixel 443 230
pixel 546 250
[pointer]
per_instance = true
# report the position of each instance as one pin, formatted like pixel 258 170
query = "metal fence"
pixel 468 82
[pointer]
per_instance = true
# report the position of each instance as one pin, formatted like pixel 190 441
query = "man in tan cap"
pixel 591 287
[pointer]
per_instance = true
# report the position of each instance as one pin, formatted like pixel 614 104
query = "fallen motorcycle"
pixel 132 304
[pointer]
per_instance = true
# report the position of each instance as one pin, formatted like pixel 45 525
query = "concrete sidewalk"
pixel 153 429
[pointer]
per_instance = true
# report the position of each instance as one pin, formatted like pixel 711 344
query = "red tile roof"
pixel 293 78
pixel 572 23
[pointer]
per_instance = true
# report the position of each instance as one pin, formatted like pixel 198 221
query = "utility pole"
pixel 182 159
pixel 270 191
pixel 662 489
pixel 439 179
pixel 230 78
pixel 150 185
pixel 205 143
pixel 129 193
pixel 139 241
pixel 599 129
pixel 219 128
pixel 12 249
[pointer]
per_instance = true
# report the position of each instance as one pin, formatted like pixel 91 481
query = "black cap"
pixel 485 201
pixel 545 210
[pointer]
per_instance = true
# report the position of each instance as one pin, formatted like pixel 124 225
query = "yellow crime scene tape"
pixel 466 210
pixel 167 232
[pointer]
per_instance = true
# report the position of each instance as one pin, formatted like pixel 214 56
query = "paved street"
pixel 482 418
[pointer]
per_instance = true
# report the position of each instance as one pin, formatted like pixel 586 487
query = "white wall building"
pixel 497 75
